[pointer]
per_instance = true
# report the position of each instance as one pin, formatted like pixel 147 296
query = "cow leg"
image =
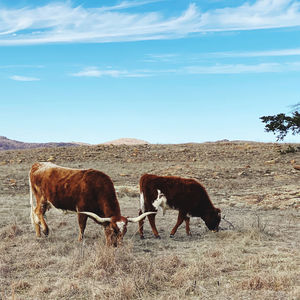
pixel 40 211
pixel 151 219
pixel 35 219
pixel 141 226
pixel 37 230
pixel 181 217
pixel 36 222
pixel 82 224
pixel 187 225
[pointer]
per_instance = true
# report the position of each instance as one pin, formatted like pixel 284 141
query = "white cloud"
pixel 23 78
pixel 193 57
pixel 21 66
pixel 95 72
pixel 262 14
pixel 195 70
pixel 88 72
pixel 62 23
pixel 243 68
pixel 128 4
pixel 166 57
pixel 267 53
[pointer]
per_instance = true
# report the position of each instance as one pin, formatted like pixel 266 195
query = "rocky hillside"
pixel 8 144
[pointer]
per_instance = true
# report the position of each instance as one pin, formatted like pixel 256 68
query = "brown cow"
pixel 187 196
pixel 87 192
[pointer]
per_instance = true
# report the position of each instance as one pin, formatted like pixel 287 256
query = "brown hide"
pixel 187 196
pixel 75 190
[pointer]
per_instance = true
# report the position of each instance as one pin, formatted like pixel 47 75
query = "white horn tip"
pixel 137 219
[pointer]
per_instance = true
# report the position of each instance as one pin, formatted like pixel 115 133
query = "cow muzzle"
pixel 216 229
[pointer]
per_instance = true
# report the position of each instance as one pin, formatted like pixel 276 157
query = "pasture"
pixel 253 184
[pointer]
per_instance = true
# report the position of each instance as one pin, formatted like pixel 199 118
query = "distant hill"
pixel 7 144
pixel 126 141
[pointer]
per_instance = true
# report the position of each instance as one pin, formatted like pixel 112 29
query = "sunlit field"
pixel 255 255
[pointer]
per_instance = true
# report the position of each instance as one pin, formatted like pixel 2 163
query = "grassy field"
pixel 258 258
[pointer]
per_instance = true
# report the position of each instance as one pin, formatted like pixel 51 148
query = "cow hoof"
pixel 171 236
pixel 142 237
pixel 157 237
pixel 46 232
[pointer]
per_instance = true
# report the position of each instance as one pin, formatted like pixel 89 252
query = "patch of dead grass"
pixel 128 191
pixel 265 281
pixel 10 231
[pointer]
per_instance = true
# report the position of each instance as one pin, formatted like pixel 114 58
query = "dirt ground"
pixel 254 184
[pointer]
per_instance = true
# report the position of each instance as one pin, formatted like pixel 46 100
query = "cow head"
pixel 115 230
pixel 116 226
pixel 212 219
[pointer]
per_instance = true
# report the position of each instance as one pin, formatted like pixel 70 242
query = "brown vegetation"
pixel 258 258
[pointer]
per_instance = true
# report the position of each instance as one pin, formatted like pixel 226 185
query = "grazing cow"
pixel 90 193
pixel 187 196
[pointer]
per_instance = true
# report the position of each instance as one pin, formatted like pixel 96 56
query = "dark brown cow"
pixel 87 192
pixel 187 196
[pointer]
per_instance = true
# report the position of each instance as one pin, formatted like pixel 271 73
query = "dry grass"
pixel 126 191
pixel 258 258
pixel 251 261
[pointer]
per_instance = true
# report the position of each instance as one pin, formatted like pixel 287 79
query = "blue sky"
pixel 165 71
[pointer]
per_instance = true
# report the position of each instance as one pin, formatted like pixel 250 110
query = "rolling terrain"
pixel 9 144
pixel 257 257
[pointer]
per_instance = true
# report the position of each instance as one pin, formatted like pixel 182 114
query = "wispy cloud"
pixel 58 23
pixel 167 57
pixel 95 72
pixel 21 66
pixel 244 68
pixel 266 53
pixel 63 23
pixel 128 4
pixel 262 14
pixel 23 78
pixel 193 57
pixel 88 72
pixel 194 70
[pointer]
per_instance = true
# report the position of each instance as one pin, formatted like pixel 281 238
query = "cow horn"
pixel 136 219
pixel 96 217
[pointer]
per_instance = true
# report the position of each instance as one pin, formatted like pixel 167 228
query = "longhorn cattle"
pixel 90 193
pixel 187 196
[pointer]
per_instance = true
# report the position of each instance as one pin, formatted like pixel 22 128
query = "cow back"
pixel 75 189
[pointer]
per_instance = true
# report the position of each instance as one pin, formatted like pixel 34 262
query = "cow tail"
pixel 32 213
